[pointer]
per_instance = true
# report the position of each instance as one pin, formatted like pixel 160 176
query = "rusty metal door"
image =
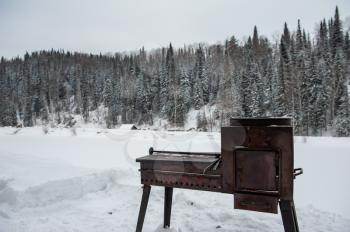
pixel 257 170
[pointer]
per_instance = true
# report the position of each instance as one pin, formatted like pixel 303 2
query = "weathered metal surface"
pixel 260 203
pixel 180 171
pixel 260 122
pixel 257 170
pixel 259 138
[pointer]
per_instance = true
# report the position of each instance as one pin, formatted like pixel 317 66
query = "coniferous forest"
pixel 304 76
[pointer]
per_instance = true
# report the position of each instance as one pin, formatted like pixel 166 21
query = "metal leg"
pixel 289 216
pixel 143 207
pixel 167 206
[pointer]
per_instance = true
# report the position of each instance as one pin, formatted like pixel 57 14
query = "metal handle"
pixel 215 154
pixel 297 172
pixel 150 151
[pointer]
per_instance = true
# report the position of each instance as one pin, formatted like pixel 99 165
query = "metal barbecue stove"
pixel 256 164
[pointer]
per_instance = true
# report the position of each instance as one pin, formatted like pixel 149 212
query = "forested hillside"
pixel 303 75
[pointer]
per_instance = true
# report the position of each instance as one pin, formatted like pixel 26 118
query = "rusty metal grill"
pixel 256 164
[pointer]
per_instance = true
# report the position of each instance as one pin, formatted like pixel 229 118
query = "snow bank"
pixel 60 190
pixel 67 189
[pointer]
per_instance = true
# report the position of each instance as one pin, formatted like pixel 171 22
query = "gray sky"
pixel 123 25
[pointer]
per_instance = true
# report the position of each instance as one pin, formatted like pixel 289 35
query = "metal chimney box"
pixel 261 154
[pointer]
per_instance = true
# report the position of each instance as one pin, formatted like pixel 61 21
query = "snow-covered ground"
pixel 90 182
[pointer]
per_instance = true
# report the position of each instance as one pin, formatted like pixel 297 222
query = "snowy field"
pixel 90 182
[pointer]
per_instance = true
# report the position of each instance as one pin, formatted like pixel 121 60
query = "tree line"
pixel 298 76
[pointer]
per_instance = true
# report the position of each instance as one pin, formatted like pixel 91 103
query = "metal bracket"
pixel 297 172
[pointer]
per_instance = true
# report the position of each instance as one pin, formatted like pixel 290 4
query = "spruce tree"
pixel 185 90
pixel 85 94
pixel 164 91
pixel 299 38
pixel 197 95
pixel 286 35
pixel 108 100
pixel 337 33
pixel 155 91
pixel 247 80
pixel 278 85
pixel 341 102
pixel 255 42
pixel 320 99
pixel 202 75
pixel 347 46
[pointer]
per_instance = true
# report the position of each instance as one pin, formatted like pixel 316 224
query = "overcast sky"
pixel 123 25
